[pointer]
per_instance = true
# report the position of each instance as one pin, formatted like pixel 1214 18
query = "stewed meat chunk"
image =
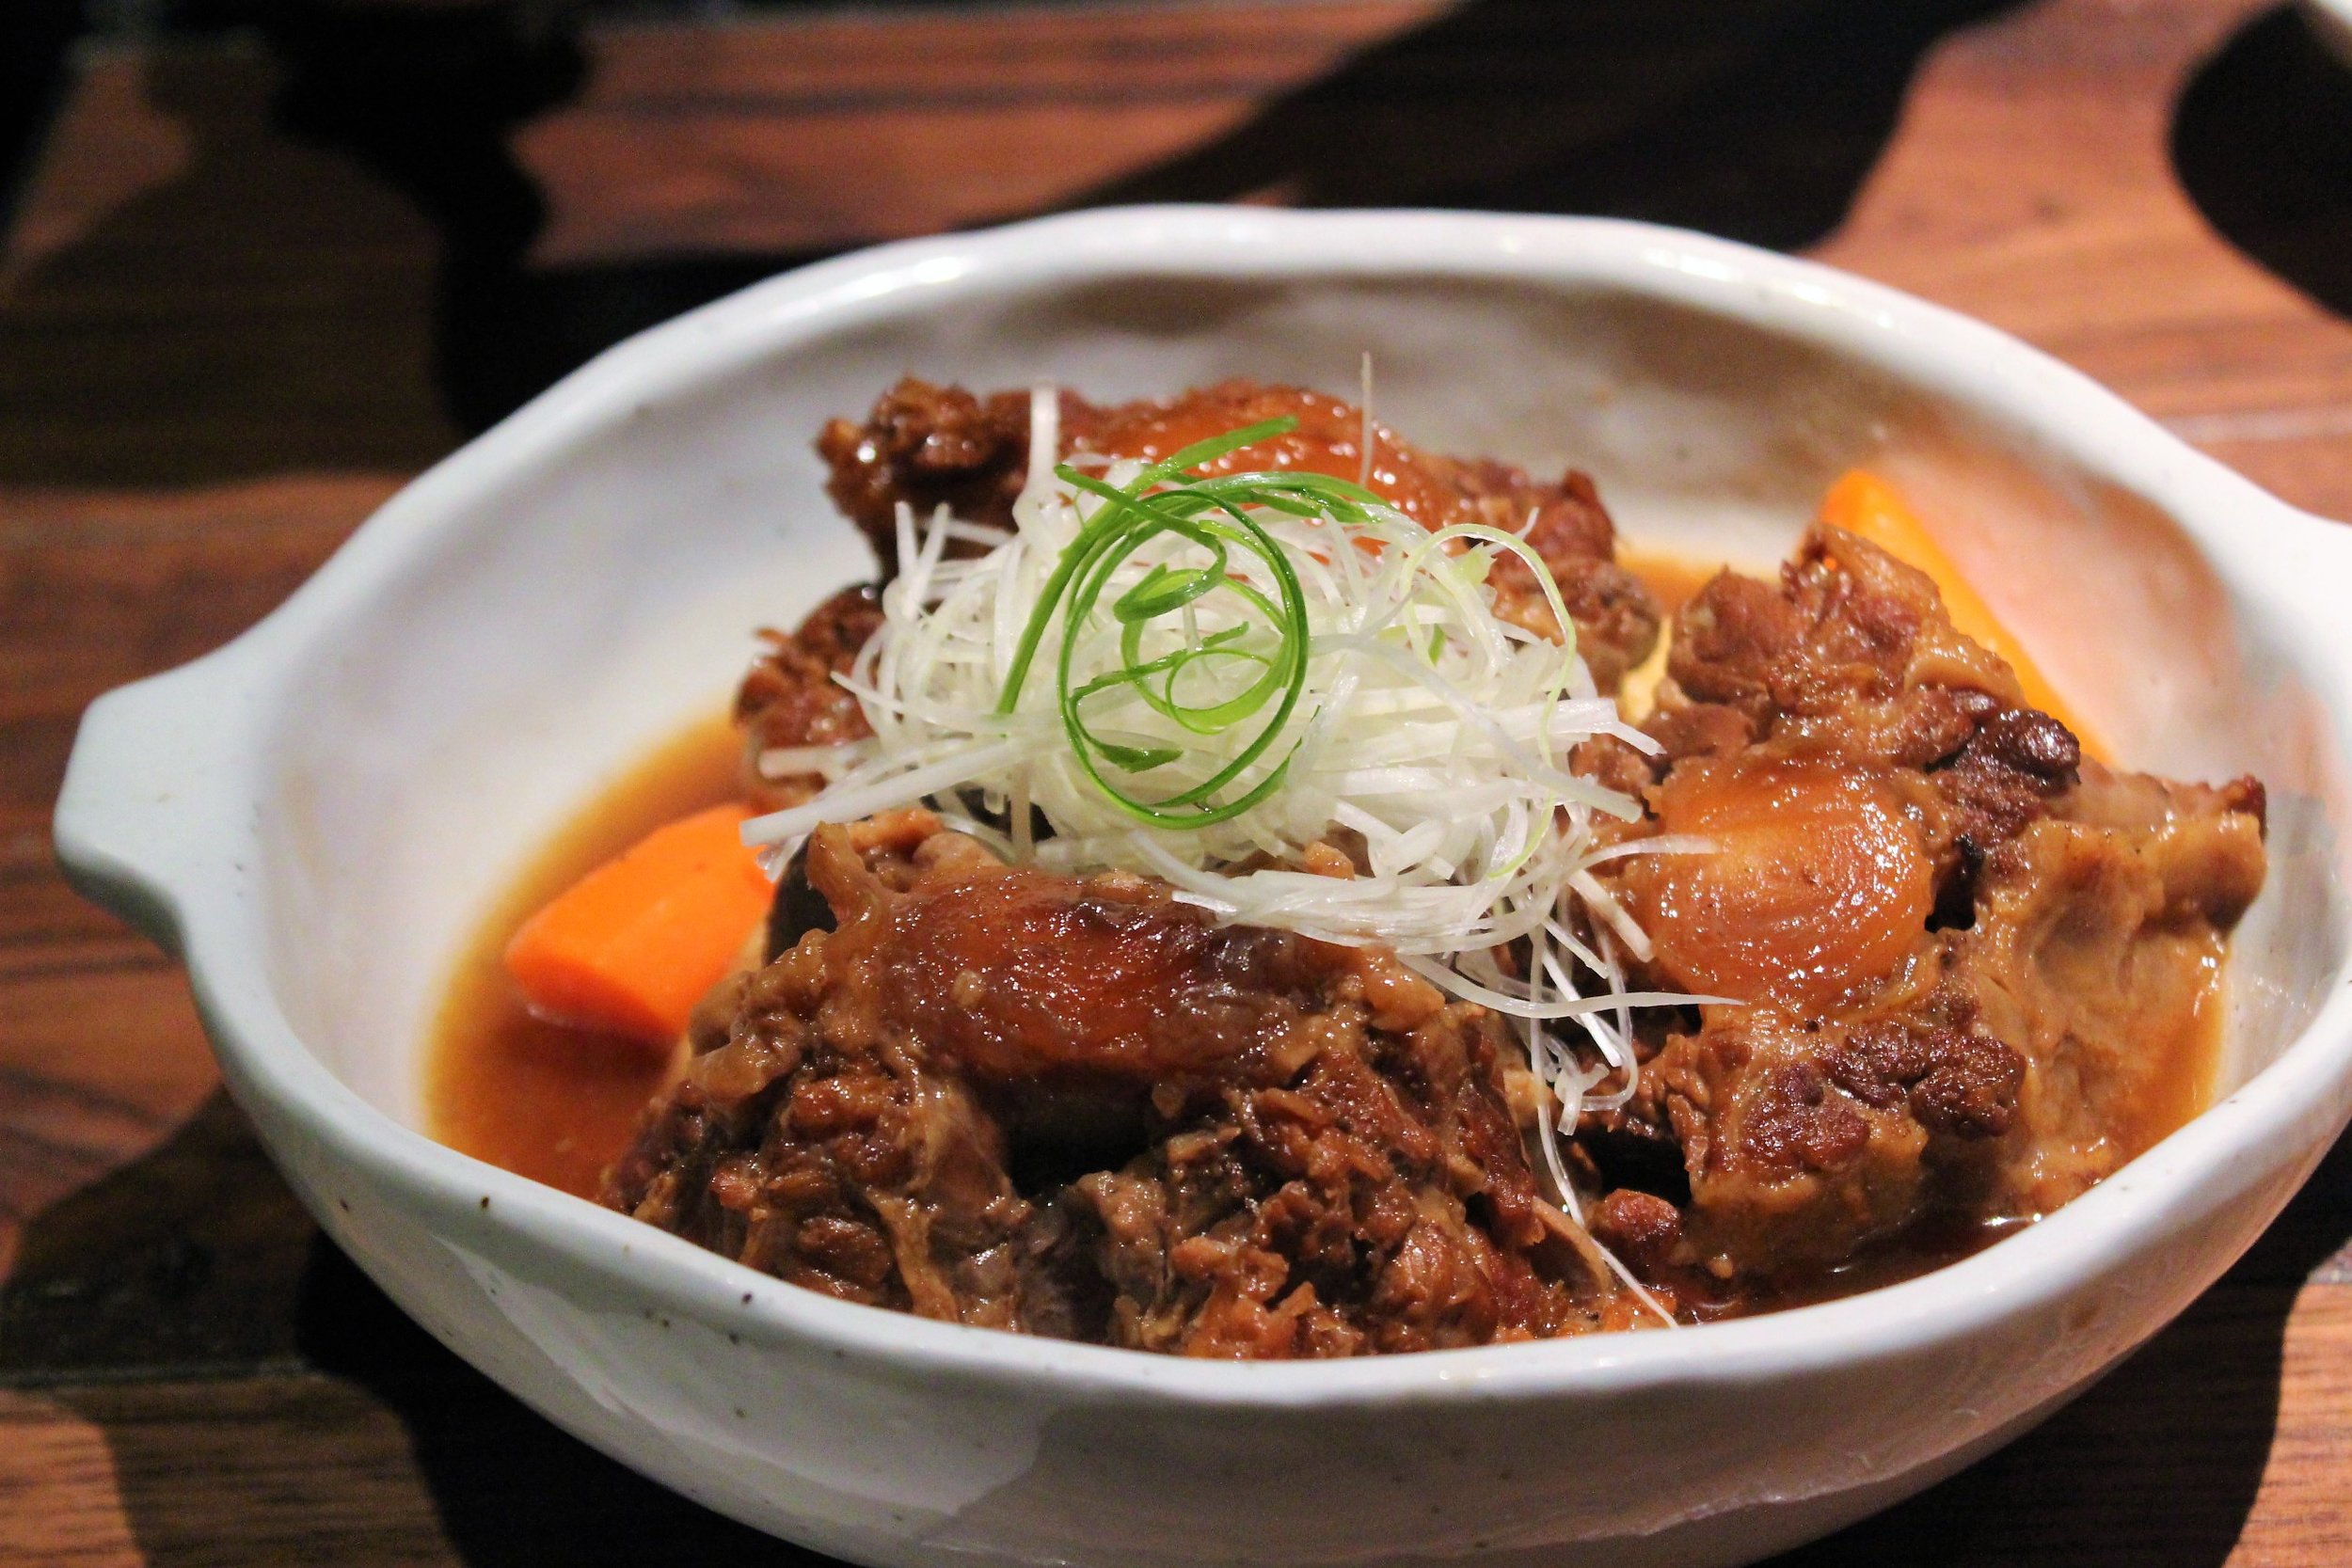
pixel 1077 1107
pixel 1960 965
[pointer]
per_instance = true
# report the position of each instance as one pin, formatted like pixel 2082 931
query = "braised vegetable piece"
pixel 631 947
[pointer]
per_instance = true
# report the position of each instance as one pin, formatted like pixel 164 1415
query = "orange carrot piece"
pixel 630 948
pixel 1866 506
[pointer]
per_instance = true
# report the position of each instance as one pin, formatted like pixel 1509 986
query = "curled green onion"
pixel 1211 515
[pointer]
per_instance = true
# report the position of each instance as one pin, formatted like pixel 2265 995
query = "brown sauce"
pixel 1672 580
pixel 553 1103
pixel 2167 1100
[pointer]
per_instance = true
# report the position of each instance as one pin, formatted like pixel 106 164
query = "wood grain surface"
pixel 249 291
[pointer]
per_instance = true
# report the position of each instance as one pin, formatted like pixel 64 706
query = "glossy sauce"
pixel 553 1103
pixel 1673 580
pixel 2193 1046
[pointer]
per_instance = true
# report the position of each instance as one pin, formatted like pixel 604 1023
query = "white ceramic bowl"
pixel 315 816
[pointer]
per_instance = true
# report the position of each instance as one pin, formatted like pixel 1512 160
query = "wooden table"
pixel 249 290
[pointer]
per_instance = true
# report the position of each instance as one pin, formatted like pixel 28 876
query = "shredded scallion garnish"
pixel 1243 664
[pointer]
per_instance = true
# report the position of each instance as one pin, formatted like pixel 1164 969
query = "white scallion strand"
pixel 1451 767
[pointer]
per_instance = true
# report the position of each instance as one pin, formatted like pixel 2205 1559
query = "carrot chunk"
pixel 1866 505
pixel 630 948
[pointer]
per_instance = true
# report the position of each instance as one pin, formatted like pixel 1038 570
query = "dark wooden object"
pixel 233 315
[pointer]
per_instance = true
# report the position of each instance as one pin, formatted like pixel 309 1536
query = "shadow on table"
pixel 2156 1467
pixel 512 1490
pixel 2262 140
pixel 1756 120
pixel 291 266
pixel 183 1263
pixel 214 303
pixel 194 1263
pixel 327 326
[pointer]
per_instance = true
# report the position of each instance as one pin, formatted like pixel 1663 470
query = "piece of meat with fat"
pixel 1806 1140
pixel 2100 934
pixel 1309 1149
pixel 1817 885
pixel 1850 651
pixel 929 446
pixel 1851 663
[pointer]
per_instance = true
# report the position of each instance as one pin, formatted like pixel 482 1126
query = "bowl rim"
pixel 168 864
